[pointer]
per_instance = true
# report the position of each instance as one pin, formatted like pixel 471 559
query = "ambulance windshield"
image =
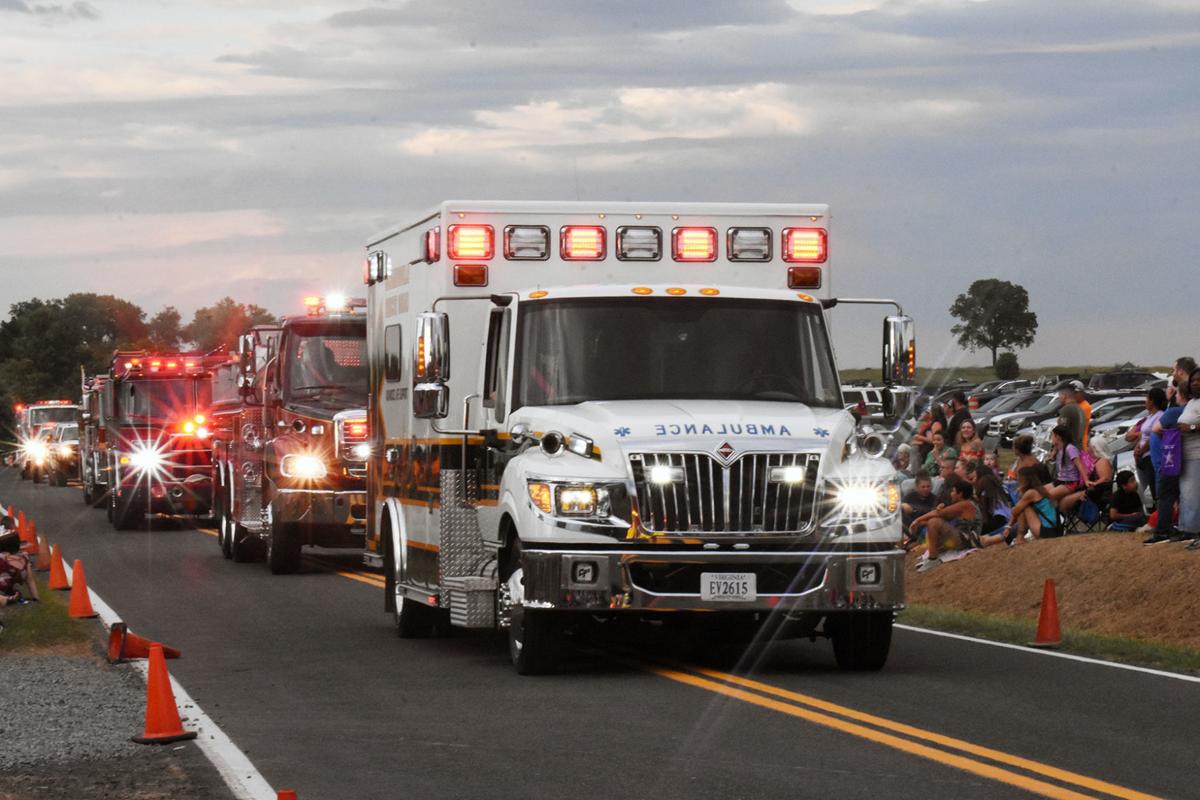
pixel 573 351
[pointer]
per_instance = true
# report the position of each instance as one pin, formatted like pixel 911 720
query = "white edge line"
pixel 238 772
pixel 1040 652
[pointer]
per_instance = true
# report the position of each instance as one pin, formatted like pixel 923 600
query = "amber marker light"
pixel 642 290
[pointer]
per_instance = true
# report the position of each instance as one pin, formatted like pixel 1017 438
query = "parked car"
pixel 872 396
pixel 985 392
pixel 1122 380
pixel 1112 432
pixel 1009 426
pixel 1002 404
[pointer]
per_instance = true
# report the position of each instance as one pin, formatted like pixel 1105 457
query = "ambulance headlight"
pixel 865 499
pixel 303 466
pixel 576 501
pixel 573 500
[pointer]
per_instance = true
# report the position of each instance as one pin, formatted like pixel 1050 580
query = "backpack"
pixel 1171 465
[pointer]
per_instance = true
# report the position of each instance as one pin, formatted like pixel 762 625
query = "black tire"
pixel 283 548
pixel 127 514
pixel 224 524
pixel 413 619
pixel 241 548
pixel 861 640
pixel 534 636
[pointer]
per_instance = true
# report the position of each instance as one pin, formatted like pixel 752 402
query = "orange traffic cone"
pixel 1048 632
pixel 286 794
pixel 27 531
pixel 81 603
pixel 58 571
pixel 21 523
pixel 163 725
pixel 123 645
pixel 31 540
pixel 43 555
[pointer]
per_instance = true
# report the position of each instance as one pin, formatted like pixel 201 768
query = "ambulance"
pixel 591 411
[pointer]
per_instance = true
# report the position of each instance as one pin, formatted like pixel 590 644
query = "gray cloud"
pixel 76 10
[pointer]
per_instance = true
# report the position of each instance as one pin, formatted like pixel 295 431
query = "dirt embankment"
pixel 1108 583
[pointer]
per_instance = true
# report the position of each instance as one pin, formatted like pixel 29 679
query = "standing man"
pixel 1179 376
pixel 1071 415
pixel 959 412
pixel 1084 406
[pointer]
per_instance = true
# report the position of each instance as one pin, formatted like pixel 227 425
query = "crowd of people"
pixel 17 585
pixel 956 499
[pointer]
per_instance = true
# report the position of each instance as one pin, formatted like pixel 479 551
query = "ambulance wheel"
pixel 861 640
pixel 283 548
pixel 534 636
pixel 414 619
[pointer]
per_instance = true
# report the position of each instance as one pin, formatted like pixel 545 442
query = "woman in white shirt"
pixel 1189 479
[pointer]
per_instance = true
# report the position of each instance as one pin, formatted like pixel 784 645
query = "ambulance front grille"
pixel 708 497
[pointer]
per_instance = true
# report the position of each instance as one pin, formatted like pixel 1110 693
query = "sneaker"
pixel 1194 545
pixel 1029 537
pixel 1179 536
pixel 1158 538
pixel 928 564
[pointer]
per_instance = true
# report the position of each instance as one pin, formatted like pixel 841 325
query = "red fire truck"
pixel 93 458
pixel 290 441
pixel 154 436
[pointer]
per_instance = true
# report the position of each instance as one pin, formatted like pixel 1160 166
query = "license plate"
pixel 728 586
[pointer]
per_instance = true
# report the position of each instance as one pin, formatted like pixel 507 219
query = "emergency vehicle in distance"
pixel 33 420
pixel 648 421
pixel 154 428
pixel 290 440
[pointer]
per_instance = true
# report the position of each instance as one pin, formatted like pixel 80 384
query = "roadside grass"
pixel 44 627
pixel 1084 643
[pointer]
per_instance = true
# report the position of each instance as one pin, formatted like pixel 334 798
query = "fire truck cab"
pixel 290 436
pixel 647 421
pixel 33 422
pixel 154 426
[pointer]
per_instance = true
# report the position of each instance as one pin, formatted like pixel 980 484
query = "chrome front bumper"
pixel 668 580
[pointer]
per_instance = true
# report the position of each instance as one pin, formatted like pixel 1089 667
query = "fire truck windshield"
pixel 673 348
pixel 163 399
pixel 43 414
pixel 326 364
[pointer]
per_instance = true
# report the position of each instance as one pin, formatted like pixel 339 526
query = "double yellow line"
pixel 982 761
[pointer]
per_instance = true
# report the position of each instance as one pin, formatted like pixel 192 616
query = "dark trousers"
pixel 1168 496
pixel 1145 470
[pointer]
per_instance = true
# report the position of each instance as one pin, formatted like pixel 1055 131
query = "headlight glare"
pixel 302 465
pixel 866 499
pixel 576 501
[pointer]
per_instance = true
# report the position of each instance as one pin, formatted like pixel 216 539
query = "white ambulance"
pixel 585 410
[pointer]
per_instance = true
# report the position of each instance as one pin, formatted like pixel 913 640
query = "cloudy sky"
pixel 174 152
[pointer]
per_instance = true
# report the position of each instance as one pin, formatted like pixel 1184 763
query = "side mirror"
pixel 899 351
pixel 431 366
pixel 888 398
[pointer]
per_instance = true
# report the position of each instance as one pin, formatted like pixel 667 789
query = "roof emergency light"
pixel 694 244
pixel 639 243
pixel 527 242
pixel 748 244
pixel 582 243
pixel 805 245
pixel 470 241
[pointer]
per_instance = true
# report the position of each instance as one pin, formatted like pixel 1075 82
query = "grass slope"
pixel 44 628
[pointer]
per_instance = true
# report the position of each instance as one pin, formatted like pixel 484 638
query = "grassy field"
pixel 44 627
pixel 937 377
pixel 1020 631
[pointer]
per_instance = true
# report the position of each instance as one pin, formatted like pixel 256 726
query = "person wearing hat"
pixel 1071 415
pixel 1084 406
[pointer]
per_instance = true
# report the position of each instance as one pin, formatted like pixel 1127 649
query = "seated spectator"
pixel 15 568
pixel 1097 487
pixel 902 462
pixel 951 527
pixel 968 444
pixel 994 505
pixel 919 501
pixel 932 421
pixel 1071 470
pixel 945 477
pixel 992 461
pixel 1035 515
pixel 1023 450
pixel 1126 512
pixel 939 451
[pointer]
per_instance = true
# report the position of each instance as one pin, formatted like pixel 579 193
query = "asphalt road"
pixel 306 675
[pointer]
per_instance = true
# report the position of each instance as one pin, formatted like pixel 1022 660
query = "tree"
pixel 224 321
pixel 1007 367
pixel 164 329
pixel 994 314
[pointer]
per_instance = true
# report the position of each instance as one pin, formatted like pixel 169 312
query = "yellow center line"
pixel 1048 771
pixel 879 737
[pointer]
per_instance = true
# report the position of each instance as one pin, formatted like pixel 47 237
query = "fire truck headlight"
pixel 65 450
pixel 303 466
pixel 146 459
pixel 361 451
